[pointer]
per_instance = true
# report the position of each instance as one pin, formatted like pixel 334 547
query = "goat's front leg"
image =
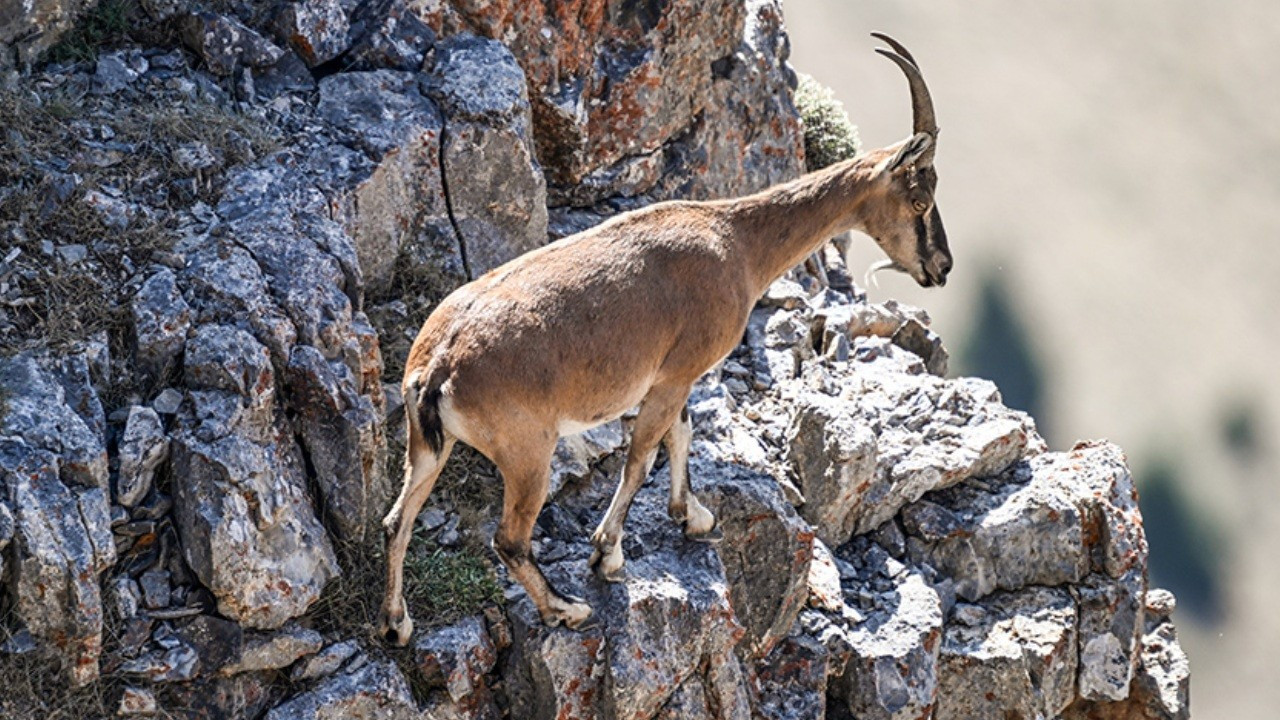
pixel 657 414
pixel 685 508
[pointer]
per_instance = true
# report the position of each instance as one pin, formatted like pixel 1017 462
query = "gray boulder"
pixel 247 525
pixel 60 545
pixel 161 320
pixel 791 681
pixel 890 632
pixel 29 28
pixel 728 150
pixel 388 34
pixel 671 619
pixel 497 194
pixel 393 200
pixel 766 552
pixel 374 691
pixel 272 651
pixel 872 440
pixel 1016 656
pixel 316 29
pixel 224 43
pixel 1051 521
pixel 333 420
pixel 456 657
pixel 576 454
pixel 55 527
pixel 143 448
pixel 51 405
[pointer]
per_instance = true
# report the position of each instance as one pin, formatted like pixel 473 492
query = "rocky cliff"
pixel 215 253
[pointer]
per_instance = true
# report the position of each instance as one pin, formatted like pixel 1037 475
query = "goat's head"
pixel 902 217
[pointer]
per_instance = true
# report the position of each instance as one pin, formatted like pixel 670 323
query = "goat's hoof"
pixel 712 536
pixel 607 564
pixel 396 630
pixel 577 616
pixel 572 613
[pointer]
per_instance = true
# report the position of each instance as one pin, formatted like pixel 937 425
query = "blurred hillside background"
pixel 1110 181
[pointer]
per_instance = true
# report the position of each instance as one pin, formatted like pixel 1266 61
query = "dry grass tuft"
pixel 51 301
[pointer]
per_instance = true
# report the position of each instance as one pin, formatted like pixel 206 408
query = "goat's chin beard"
pixel 869 279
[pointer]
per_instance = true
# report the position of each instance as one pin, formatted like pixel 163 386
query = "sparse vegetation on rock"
pixel 829 135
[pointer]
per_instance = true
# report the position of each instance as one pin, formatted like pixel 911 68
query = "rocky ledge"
pixel 187 496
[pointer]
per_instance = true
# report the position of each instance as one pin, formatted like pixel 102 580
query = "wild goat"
pixel 635 310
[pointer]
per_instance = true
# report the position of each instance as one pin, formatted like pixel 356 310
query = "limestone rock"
pixel 1111 624
pixel 61 545
pixel 747 136
pixel 670 619
pixel 1042 523
pixel 792 680
pixel 142 449
pixel 575 454
pixel 161 319
pixel 324 662
pixel 1017 657
pixel 388 34
pixel 869 442
pixel 374 691
pixel 393 201
pixel 893 636
pixel 497 194
pixel 136 701
pixel 457 657
pixel 1163 681
pixel 247 526
pixel 271 651
pixel 224 44
pixel 29 28
pixel 52 406
pixel 316 29
pixel 333 420
pixel 766 552
pixel 609 85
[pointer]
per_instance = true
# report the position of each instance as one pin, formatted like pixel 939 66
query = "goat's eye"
pixel 919 205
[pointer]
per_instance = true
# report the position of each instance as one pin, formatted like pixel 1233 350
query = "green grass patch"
pixel 444 585
pixel 106 25
pixel 829 136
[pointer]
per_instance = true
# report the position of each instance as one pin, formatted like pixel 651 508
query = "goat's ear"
pixel 911 150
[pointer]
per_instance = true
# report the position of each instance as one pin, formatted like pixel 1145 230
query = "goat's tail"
pixel 422 407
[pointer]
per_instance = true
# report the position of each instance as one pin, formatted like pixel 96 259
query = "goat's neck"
pixel 781 226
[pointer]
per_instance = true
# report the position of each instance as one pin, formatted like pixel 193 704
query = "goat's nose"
pixel 944 267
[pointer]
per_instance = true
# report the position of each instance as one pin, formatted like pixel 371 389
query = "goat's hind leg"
pixel 422 467
pixel 685 508
pixel 525 482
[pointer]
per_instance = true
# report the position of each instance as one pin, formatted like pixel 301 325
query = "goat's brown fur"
pixel 632 311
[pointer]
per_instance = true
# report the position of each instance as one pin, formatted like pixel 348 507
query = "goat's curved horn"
pixel 921 101
pixel 897 47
